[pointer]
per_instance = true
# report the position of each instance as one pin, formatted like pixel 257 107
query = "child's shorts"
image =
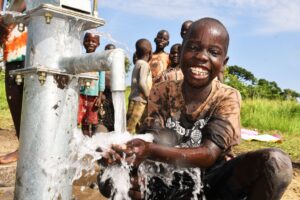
pixel 87 111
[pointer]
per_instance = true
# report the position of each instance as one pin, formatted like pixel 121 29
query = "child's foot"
pixel 9 158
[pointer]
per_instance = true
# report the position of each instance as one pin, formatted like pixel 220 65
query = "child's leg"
pixel 135 112
pixel 108 119
pixel 82 115
pixel 14 94
pixel 262 174
pixel 92 115
pixel 140 122
pixel 86 130
pixel 94 128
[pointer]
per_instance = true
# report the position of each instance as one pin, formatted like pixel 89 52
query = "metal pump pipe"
pixel 112 60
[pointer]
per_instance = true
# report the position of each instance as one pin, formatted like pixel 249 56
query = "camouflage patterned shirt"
pixel 216 119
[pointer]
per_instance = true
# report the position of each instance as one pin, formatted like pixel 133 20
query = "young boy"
pixel 90 97
pixel 14 49
pixel 106 111
pixel 196 122
pixel 141 83
pixel 173 72
pixel 160 59
pixel 185 27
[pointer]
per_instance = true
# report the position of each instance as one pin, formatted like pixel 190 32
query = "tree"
pixel 127 64
pixel 290 94
pixel 251 87
pixel 242 74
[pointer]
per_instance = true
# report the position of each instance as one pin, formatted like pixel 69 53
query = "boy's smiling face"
pixel 204 53
pixel 91 42
pixel 162 39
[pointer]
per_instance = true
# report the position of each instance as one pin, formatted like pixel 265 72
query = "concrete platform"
pixel 81 189
pixel 7 193
pixel 8 175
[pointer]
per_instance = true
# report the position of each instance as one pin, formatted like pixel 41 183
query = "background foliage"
pixel 254 88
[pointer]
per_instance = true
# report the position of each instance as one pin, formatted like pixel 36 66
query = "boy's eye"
pixel 214 52
pixel 193 47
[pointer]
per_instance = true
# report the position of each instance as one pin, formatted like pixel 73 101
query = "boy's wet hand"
pixel 110 157
pixel 138 147
pixel 135 151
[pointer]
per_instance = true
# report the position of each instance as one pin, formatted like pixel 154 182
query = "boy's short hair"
pixel 142 46
pixel 90 33
pixel 175 45
pixel 187 22
pixel 163 31
pixel 213 21
pixel 109 46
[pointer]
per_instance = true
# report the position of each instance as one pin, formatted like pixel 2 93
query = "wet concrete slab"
pixel 7 193
pixel 83 189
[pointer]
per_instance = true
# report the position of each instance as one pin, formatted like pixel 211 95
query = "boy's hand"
pixel 136 151
pixel 98 102
pixel 109 157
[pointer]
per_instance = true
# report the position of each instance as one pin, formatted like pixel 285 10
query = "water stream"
pixel 84 154
pixel 120 111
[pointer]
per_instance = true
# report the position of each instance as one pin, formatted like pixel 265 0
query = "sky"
pixel 264 34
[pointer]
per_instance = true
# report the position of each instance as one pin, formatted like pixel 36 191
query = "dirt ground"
pixel 9 142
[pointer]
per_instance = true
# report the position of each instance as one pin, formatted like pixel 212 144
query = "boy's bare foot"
pixel 9 158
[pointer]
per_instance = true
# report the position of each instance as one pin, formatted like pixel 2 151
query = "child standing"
pixel 160 59
pixel 14 50
pixel 195 124
pixel 141 84
pixel 173 72
pixel 90 97
pixel 106 111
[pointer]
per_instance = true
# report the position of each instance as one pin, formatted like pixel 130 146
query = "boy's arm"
pixel 220 133
pixel 101 86
pixel 144 72
pixel 204 156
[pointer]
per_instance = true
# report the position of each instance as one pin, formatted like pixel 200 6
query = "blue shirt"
pixel 96 85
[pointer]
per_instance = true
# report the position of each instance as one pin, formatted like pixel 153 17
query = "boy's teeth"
pixel 199 71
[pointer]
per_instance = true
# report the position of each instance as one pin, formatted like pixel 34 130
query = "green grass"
pixel 278 115
pixel 5 117
pixel 273 117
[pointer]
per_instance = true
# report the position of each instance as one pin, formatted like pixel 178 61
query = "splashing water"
pixel 109 37
pixel 182 181
pixel 82 158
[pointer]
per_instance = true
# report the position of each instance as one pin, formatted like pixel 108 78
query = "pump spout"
pixel 111 60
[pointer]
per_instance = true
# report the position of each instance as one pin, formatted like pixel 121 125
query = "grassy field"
pixel 272 117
